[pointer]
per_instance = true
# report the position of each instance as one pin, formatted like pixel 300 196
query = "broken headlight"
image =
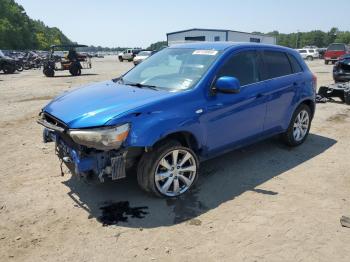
pixel 105 138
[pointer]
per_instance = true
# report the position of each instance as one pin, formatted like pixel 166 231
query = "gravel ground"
pixel 264 202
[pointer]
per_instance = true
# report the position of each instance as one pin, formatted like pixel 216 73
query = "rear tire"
pixel 49 72
pixel 153 175
pixel 120 59
pixel 75 71
pixel 326 62
pixel 299 126
pixel 309 58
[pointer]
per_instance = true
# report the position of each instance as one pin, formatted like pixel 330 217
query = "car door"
pixel 282 84
pixel 231 118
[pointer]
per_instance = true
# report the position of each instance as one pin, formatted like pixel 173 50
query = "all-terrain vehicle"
pixel 73 62
pixel 7 64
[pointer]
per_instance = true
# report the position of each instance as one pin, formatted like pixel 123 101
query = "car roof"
pixel 219 46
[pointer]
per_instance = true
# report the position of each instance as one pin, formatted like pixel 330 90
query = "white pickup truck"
pixel 128 54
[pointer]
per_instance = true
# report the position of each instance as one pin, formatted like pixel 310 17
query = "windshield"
pixel 336 47
pixel 172 69
pixel 144 53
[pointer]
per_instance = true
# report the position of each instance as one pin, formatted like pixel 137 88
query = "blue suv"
pixel 183 105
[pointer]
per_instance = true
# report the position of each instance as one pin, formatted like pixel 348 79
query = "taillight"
pixel 314 82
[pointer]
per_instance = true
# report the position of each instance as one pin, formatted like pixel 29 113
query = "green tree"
pixel 18 31
pixel 158 45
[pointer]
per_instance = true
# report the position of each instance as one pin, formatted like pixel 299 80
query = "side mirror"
pixel 227 85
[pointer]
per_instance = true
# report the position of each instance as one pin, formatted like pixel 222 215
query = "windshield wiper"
pixel 142 85
pixel 139 85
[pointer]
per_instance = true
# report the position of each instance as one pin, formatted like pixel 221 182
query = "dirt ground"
pixel 264 202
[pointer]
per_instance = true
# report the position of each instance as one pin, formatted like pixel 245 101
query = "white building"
pixel 213 35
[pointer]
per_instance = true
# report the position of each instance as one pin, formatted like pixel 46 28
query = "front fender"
pixel 148 130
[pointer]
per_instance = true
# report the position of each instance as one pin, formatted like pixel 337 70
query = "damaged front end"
pixel 99 151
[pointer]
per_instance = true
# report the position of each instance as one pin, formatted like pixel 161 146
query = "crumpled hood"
pixel 96 104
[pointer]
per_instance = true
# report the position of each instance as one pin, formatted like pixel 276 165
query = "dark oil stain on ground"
pixel 187 206
pixel 113 213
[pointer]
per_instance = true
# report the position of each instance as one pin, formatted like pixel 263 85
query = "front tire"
pixel 9 69
pixel 326 62
pixel 169 170
pixel 299 126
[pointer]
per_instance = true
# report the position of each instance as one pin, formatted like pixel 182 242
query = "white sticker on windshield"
pixel 204 52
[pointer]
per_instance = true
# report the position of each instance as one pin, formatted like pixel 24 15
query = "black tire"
pixel 9 69
pixel 120 59
pixel 347 96
pixel 75 71
pixel 26 66
pixel 149 161
pixel 49 72
pixel 326 62
pixel 19 68
pixel 288 136
pixel 322 91
pixel 309 58
pixel 333 62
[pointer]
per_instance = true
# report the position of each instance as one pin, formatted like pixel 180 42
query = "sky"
pixel 139 23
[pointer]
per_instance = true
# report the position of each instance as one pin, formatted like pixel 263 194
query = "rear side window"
pixel 336 47
pixel 277 64
pixel 295 64
pixel 243 66
pixel 302 51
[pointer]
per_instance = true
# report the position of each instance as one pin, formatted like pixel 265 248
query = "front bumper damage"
pixel 82 161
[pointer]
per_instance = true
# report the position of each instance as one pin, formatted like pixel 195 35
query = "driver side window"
pixel 243 66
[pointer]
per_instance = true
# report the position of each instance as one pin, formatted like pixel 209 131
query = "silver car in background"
pixel 143 55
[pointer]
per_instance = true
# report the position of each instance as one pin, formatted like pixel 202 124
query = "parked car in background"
pixel 308 54
pixel 334 51
pixel 321 52
pixel 183 105
pixel 143 55
pixel 341 69
pixel 128 54
pixel 7 64
pixel 310 47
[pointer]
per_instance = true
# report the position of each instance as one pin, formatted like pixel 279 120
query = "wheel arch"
pixel 311 104
pixel 186 139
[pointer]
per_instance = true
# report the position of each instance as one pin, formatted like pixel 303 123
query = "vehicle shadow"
pixel 221 179
pixel 88 74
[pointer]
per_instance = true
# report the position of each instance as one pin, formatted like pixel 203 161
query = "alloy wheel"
pixel 301 125
pixel 175 172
